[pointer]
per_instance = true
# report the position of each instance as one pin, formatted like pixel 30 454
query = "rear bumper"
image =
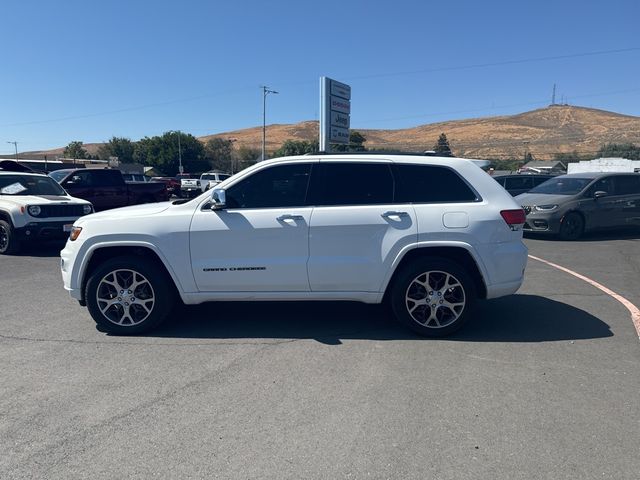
pixel 505 265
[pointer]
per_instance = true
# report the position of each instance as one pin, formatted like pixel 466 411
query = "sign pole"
pixel 335 113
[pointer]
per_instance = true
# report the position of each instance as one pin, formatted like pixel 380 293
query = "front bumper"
pixel 45 230
pixel 542 222
pixel 68 268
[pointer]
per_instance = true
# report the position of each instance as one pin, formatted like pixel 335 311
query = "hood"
pixel 127 212
pixel 43 200
pixel 543 199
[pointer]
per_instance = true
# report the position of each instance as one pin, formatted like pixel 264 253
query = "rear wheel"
pixel 572 226
pixel 129 295
pixel 433 296
pixel 9 242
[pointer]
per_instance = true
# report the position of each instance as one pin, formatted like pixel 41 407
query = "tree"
pixel 163 152
pixel 442 147
pixel 120 147
pixel 219 153
pixel 245 157
pixel 356 143
pixel 75 150
pixel 623 150
pixel 296 147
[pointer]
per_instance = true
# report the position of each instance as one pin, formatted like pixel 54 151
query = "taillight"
pixel 514 217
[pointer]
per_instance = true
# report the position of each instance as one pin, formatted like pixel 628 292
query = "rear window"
pixel 519 183
pixel 431 184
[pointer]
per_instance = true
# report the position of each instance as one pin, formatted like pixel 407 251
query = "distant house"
pixel 543 167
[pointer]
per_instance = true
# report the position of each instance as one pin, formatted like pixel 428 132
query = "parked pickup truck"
pixel 107 189
pixel 189 185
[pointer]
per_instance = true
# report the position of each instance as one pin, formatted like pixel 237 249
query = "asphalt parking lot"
pixel 540 385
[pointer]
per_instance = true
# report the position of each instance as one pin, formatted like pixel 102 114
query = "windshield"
pixel 562 186
pixel 29 185
pixel 208 177
pixel 59 175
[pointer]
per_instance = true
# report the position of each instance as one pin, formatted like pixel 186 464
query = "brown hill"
pixel 543 132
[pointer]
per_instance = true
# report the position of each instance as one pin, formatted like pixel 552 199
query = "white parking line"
pixel 635 312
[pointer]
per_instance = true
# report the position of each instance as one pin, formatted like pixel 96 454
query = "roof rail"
pixel 425 153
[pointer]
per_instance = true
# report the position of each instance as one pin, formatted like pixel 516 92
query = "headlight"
pixel 34 210
pixel 87 209
pixel 545 208
pixel 75 233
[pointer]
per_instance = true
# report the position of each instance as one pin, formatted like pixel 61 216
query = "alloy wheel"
pixel 125 297
pixel 435 299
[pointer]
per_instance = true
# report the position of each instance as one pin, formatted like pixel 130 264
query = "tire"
pixel 572 226
pixel 121 310
pixel 9 242
pixel 451 293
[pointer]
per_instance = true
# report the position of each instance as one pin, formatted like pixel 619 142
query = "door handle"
pixel 282 218
pixel 395 214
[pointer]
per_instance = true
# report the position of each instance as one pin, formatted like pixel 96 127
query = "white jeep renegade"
pixel 33 207
pixel 429 235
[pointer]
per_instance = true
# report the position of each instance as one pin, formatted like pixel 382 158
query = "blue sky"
pixel 88 70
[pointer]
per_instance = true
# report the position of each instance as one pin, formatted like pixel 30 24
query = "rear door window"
pixel 352 184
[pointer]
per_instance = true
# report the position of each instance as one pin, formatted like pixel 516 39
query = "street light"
pixel 15 144
pixel 265 92
pixel 180 168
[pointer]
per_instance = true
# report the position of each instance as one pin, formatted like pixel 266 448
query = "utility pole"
pixel 553 95
pixel 15 144
pixel 180 167
pixel 265 92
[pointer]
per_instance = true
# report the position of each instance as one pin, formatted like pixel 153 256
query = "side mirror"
pixel 600 194
pixel 218 199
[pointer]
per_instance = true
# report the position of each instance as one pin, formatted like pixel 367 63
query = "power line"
pixel 498 107
pixel 360 77
pixel 496 64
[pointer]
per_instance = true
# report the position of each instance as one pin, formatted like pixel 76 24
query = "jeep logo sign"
pixel 335 110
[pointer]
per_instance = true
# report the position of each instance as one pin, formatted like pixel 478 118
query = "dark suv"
pixel 569 205
pixel 521 183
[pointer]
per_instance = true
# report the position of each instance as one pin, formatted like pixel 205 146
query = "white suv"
pixel 34 207
pixel 429 235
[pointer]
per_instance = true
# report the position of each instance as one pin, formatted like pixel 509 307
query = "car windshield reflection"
pixel 562 186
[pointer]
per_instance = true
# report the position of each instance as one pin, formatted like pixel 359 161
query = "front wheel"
pixel 572 226
pixel 129 295
pixel 9 242
pixel 433 296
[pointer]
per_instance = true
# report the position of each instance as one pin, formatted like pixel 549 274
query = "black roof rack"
pixel 13 166
pixel 425 153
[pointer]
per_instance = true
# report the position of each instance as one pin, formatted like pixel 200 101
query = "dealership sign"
pixel 335 110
